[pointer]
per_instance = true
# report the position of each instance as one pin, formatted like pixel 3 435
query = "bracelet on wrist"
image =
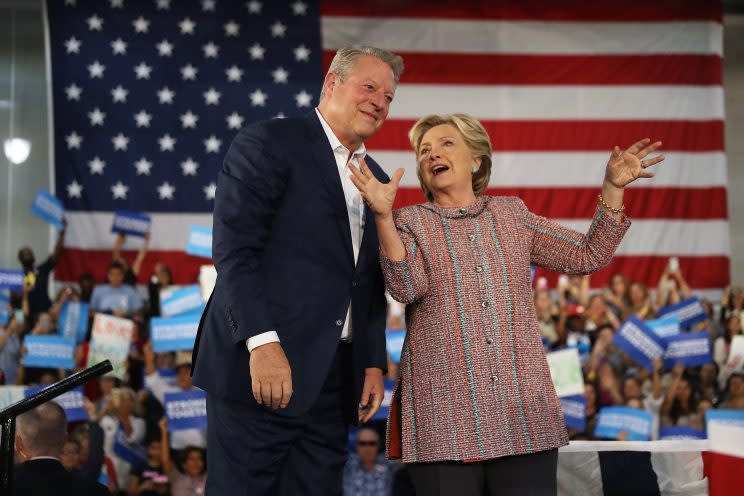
pixel 617 211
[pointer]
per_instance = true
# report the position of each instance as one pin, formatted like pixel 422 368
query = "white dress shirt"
pixel 355 209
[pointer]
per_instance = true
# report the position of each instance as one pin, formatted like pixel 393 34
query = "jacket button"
pixel 339 322
pixel 489 341
pixel 484 304
pixel 494 378
pixel 463 211
pixel 478 268
pixel 471 237
pixel 354 284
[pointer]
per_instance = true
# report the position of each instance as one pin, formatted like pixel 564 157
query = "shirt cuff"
pixel 261 339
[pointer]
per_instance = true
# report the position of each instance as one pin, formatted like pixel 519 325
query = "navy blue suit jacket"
pixel 283 252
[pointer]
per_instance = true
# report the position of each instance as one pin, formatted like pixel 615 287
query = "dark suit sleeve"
pixel 249 191
pixel 92 468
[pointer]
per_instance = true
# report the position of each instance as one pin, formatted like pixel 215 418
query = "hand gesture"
pixel 624 167
pixel 373 392
pixel 271 376
pixel 378 196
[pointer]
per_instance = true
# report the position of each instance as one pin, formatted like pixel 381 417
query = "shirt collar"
pixel 334 141
pixel 44 458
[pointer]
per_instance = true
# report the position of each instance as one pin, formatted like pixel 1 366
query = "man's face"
pixel 357 107
pixel 367 446
pixel 26 257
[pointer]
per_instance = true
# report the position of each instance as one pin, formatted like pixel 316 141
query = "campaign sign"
pixel 48 208
pixel 168 376
pixel 134 454
pixel 689 312
pixel 638 340
pixel 132 223
pixel 734 418
pixel 71 402
pixel 174 333
pixel 186 410
pixel 382 413
pixel 181 301
pixel 565 370
pixel 10 395
pixel 4 317
pixel 666 327
pixel 73 320
pixel 110 340
pixel 690 349
pixel 615 419
pixel 395 338
pixel 574 411
pixel 54 352
pixel 672 433
pixel 11 279
pixel 200 242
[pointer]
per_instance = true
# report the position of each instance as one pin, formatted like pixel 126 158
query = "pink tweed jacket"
pixel 474 380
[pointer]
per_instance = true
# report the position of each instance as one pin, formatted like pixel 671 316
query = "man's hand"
pixel 271 376
pixel 372 394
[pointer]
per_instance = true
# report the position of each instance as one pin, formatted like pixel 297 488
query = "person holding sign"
pixel 475 384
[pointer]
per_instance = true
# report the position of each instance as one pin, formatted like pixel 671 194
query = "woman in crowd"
pixel 190 481
pixel 475 385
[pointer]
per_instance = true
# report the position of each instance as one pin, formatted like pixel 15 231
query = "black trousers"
pixel 254 451
pixel 524 475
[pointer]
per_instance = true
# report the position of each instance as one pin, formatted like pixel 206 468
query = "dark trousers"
pixel 254 451
pixel 524 475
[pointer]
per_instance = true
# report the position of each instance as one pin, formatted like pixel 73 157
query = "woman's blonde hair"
pixel 475 136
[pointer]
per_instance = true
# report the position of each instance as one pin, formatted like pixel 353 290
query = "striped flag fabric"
pixel 556 84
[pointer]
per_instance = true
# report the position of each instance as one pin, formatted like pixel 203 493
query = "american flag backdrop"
pixel 148 94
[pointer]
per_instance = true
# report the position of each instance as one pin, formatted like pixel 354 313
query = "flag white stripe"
pixel 524 37
pixel 566 169
pixel 692 103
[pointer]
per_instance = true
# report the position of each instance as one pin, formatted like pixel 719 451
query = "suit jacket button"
pixel 463 211
pixel 339 322
pixel 489 341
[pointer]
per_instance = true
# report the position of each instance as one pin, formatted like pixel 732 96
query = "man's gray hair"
pixel 345 59
pixel 43 429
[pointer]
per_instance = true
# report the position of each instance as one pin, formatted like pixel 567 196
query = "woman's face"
pixel 70 456
pixel 684 391
pixel 194 464
pixel 618 285
pixel 542 301
pixel 445 161
pixel 733 325
pixel 637 294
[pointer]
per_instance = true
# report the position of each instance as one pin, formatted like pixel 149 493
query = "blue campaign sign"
pixel 186 410
pixel 133 223
pixel 71 402
pixel 689 312
pixel 181 301
pixel 73 320
pixel 4 298
pixel 48 208
pixel 574 411
pixel 174 333
pixel 11 279
pixel 638 340
pixel 134 454
pixel 671 433
pixel 4 317
pixel 724 416
pixel 49 351
pixel 200 242
pixel 382 413
pixel 616 419
pixel 395 338
pixel 690 349
pixel 666 327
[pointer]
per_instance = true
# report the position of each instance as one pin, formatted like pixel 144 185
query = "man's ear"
pixel 329 82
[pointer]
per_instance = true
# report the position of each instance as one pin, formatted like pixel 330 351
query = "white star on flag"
pixel 95 23
pixel 165 95
pixel 280 75
pixel 187 26
pixel 119 190
pixel 96 69
pixel 232 28
pixel 73 92
pixel 189 72
pixel 253 7
pixel 258 98
pixel 212 144
pixel 208 5
pixel 278 30
pixel 74 189
pixel 119 47
pixel 234 73
pixel 189 119
pixel 257 51
pixel 209 191
pixel 143 166
pixel 120 142
pixel 302 53
pixel 73 45
pixel 165 49
pixel 142 118
pixel 143 70
pixel 165 191
pixel 234 121
pixel 96 117
pixel 299 8
pixel 73 140
pixel 119 94
pixel 141 25
pixel 303 98
pixel 189 167
pixel 166 143
pixel 210 50
pixel 96 165
pixel 212 97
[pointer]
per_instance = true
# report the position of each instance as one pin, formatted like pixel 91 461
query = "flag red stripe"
pixel 436 68
pixel 532 10
pixel 573 135
pixel 579 203
pixel 710 272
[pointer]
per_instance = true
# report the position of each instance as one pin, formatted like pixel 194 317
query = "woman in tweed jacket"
pixel 475 406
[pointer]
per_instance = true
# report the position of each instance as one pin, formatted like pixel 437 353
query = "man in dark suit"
pixel 40 436
pixel 291 347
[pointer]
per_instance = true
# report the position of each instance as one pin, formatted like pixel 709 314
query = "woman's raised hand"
pixel 380 197
pixel 624 167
